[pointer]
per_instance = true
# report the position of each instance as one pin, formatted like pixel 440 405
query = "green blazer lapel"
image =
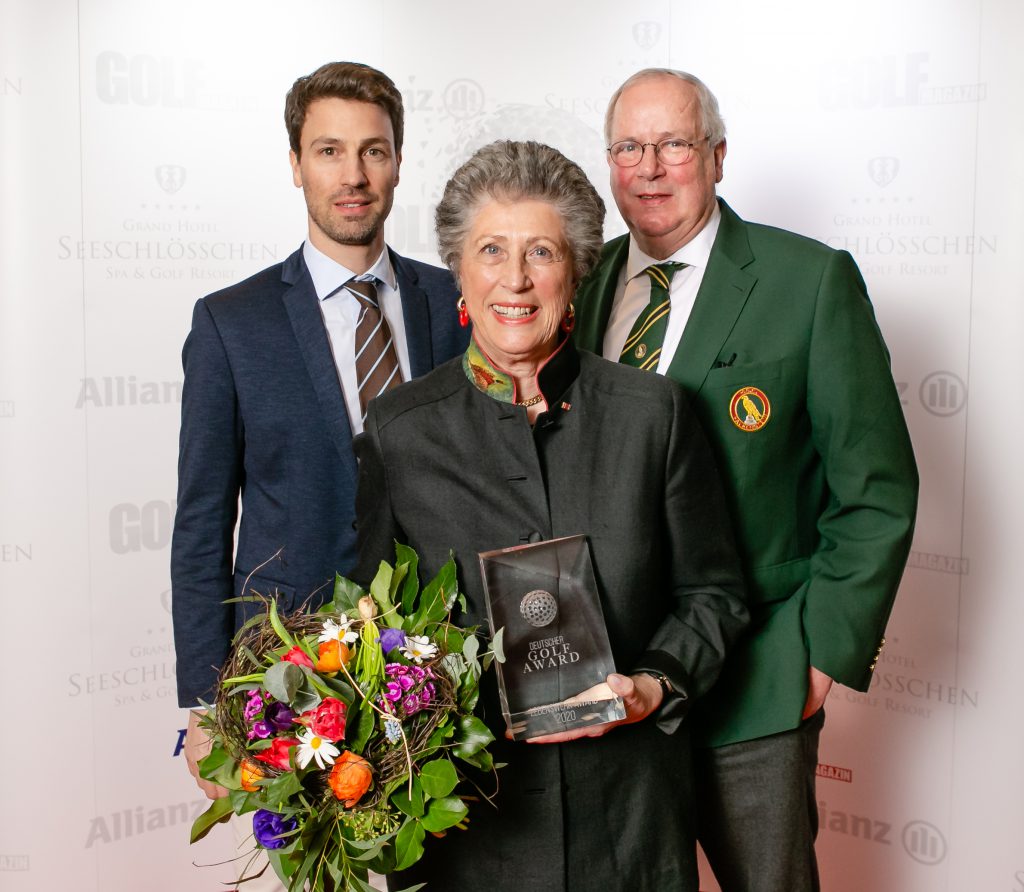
pixel 723 292
pixel 596 294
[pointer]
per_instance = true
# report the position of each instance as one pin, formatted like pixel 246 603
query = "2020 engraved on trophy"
pixel 557 654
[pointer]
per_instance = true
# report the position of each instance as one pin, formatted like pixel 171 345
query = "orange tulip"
pixel 350 778
pixel 333 655
pixel 251 773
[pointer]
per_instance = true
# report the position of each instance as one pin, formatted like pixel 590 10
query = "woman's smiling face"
pixel 517 279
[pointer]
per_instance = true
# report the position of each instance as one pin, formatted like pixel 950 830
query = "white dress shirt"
pixel 341 316
pixel 633 292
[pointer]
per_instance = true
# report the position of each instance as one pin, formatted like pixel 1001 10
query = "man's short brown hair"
pixel 342 80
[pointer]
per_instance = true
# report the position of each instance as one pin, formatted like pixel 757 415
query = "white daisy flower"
pixel 339 631
pixel 418 648
pixel 313 747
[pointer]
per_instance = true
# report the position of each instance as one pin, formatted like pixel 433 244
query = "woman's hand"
pixel 641 695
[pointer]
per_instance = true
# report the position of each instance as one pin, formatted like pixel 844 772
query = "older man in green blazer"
pixel 774 337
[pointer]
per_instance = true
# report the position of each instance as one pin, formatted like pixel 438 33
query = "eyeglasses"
pixel 629 152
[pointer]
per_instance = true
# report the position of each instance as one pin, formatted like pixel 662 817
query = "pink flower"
pixel 253 706
pixel 328 721
pixel 299 657
pixel 411 704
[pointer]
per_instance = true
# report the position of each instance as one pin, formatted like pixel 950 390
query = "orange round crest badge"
pixel 749 409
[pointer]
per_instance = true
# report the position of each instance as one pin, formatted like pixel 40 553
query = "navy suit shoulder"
pixel 267 281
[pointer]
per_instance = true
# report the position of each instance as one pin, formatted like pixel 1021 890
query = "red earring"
pixel 569 319
pixel 460 305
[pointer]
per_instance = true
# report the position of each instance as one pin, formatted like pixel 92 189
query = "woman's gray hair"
pixel 711 119
pixel 521 171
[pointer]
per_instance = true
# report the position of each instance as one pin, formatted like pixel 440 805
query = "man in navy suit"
pixel 271 400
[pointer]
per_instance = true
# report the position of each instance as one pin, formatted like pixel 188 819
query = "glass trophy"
pixel 557 654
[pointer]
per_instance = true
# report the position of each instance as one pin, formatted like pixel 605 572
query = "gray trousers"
pixel 757 812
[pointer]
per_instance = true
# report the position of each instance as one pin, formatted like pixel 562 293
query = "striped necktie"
pixel 376 358
pixel 642 349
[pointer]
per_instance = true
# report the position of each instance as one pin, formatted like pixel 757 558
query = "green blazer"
pixel 790 377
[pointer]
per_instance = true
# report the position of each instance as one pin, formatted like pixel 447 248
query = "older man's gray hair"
pixel 711 119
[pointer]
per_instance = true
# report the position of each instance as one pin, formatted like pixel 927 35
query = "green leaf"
pixel 282 787
pixel 365 845
pixel 454 665
pixel 497 645
pixel 313 851
pixel 405 555
pixel 218 811
pixel 380 588
pixel 283 680
pixel 444 813
pixel 468 695
pixel 284 864
pixel 471 736
pixel 409 844
pixel 306 697
pixel 213 761
pixel 412 806
pixel 339 688
pixel 436 740
pixel 358 884
pixel 471 648
pixel 373 849
pixel 346 597
pixel 482 760
pixel 450 638
pixel 436 598
pixel 244 802
pixel 279 628
pixel 438 778
pixel 365 719
pixel 394 619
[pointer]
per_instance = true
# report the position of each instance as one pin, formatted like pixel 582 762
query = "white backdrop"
pixel 144 164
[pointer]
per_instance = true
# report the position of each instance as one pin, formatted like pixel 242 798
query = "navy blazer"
pixel 263 417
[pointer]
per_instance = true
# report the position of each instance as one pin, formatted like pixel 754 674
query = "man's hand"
pixel 818 687
pixel 197 745
pixel 641 694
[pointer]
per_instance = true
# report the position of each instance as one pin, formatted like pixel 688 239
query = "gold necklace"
pixel 532 401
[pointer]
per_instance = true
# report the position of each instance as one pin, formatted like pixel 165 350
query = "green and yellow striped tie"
pixel 642 349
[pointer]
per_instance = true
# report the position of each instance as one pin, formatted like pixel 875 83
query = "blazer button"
pixel 534 537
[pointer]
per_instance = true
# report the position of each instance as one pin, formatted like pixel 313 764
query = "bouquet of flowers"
pixel 347 732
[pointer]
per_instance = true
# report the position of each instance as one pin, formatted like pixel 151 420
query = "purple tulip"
pixel 269 827
pixel 279 716
pixel 390 639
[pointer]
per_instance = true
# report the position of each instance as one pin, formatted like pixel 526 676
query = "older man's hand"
pixel 641 695
pixel 197 745
pixel 818 686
